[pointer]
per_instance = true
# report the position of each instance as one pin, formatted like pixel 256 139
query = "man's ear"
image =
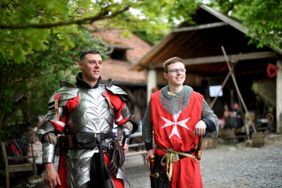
pixel 79 63
pixel 165 75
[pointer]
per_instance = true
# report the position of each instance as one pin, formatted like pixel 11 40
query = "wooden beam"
pixel 225 19
pixel 279 97
pixel 200 27
pixel 151 82
pixel 232 58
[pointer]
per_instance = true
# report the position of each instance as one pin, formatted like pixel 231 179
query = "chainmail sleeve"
pixel 147 128
pixel 211 120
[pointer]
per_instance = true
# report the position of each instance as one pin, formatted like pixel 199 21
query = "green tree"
pixel 262 18
pixel 30 22
pixel 26 87
pixel 39 45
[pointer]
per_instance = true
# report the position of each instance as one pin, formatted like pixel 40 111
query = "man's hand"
pixel 150 158
pixel 51 177
pixel 125 148
pixel 200 128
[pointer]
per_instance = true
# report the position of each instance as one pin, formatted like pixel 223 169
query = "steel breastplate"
pixel 93 113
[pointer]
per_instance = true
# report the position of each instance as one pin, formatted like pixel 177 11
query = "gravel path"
pixel 228 166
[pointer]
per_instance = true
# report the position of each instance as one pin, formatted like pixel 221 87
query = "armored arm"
pixel 127 123
pixel 47 135
pixel 123 117
pixel 54 122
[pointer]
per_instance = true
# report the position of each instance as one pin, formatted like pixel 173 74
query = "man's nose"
pixel 97 64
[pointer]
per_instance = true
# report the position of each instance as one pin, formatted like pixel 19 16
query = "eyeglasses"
pixel 180 70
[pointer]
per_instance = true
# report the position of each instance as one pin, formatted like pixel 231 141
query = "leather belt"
pixel 83 140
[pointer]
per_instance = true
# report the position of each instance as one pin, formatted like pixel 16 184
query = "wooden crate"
pixel 258 139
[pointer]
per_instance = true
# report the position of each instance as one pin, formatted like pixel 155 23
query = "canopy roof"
pixel 200 46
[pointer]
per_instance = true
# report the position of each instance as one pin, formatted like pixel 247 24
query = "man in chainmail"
pixel 175 121
pixel 80 124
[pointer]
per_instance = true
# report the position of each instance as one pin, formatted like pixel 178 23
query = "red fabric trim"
pixel 118 105
pixel 72 103
pixel 115 100
pixel 118 182
pixel 57 96
pixel 62 172
pixel 118 114
pixel 57 126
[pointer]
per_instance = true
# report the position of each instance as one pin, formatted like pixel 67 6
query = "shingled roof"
pixel 135 48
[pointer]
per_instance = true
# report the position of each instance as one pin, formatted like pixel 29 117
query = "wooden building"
pixel 205 47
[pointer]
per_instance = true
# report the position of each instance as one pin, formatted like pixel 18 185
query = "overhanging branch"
pixel 102 16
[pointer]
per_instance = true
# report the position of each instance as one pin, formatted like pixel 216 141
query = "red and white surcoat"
pixel 176 131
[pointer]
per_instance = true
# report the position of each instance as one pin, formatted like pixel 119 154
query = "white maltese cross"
pixel 174 123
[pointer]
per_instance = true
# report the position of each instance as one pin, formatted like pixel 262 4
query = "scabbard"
pixel 153 175
pixel 199 148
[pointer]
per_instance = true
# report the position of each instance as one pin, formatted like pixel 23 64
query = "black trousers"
pixel 158 176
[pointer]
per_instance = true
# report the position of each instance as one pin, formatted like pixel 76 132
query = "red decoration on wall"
pixel 271 70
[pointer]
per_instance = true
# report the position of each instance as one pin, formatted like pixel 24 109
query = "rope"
pixel 170 157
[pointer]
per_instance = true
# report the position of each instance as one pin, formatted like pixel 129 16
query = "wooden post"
pixel 239 94
pixel 151 82
pixel 279 98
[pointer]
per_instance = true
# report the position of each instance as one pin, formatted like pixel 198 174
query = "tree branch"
pixel 103 15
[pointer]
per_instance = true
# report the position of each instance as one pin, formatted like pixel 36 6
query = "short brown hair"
pixel 171 61
pixel 84 53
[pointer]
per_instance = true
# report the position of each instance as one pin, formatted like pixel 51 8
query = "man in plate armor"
pixel 80 124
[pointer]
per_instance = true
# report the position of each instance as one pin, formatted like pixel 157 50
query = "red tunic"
pixel 176 131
